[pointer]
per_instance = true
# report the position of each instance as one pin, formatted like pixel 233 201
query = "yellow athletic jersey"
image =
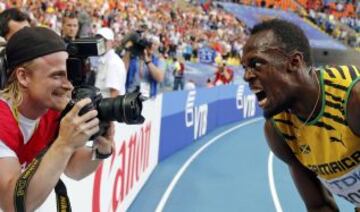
pixel 326 145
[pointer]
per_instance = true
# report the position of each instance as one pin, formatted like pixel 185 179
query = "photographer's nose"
pixel 68 86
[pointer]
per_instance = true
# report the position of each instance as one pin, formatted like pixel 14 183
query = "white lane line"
pixel 181 171
pixel 272 183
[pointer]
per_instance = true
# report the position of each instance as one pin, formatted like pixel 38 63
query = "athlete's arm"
pixel 313 193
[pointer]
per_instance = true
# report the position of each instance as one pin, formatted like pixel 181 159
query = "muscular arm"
pixel 315 196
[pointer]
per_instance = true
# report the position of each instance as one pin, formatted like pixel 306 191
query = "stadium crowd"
pixel 338 18
pixel 179 29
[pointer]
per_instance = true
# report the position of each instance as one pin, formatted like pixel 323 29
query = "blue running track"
pixel 230 169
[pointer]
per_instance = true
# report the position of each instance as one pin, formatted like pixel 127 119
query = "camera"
pixel 135 42
pixel 79 50
pixel 126 108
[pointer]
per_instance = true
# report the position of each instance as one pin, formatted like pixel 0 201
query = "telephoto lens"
pixel 125 108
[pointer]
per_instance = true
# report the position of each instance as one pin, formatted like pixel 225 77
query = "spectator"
pixel 11 21
pixel 111 72
pixel 187 51
pixel 178 72
pixel 70 27
pixel 209 83
pixel 168 83
pixel 223 75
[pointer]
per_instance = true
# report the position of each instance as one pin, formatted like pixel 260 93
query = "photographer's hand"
pixel 156 73
pixel 147 55
pixel 82 162
pixel 105 144
pixel 75 130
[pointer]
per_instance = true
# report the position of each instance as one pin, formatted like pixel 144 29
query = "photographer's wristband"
pixel 101 156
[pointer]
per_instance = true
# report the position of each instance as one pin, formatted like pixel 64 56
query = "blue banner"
pixel 207 55
pixel 189 115
pixel 253 15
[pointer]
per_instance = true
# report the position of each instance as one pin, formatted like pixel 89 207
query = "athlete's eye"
pixel 255 64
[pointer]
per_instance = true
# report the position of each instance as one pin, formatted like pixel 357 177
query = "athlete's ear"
pixel 296 61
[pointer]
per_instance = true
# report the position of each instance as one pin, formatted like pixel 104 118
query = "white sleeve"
pixel 5 151
pixel 116 75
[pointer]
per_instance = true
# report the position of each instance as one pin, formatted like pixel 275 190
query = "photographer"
pixel 223 75
pixel 145 70
pixel 36 91
pixel 110 70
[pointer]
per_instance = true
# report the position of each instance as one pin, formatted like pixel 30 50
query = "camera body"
pixel 79 50
pixel 135 42
pixel 126 108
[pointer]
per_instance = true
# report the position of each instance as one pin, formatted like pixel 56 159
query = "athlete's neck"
pixel 308 103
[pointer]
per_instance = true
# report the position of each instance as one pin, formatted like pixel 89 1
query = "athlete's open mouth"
pixel 261 97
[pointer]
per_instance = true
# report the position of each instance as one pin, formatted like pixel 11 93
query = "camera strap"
pixel 62 199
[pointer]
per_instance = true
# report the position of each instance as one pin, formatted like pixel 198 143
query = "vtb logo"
pixel 246 103
pixel 196 116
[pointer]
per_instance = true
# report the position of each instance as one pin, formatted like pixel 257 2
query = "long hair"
pixel 12 91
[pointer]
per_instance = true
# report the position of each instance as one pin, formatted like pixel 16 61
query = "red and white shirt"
pixel 25 138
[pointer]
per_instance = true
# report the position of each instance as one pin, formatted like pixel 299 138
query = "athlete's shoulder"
pixel 277 144
pixel 344 72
